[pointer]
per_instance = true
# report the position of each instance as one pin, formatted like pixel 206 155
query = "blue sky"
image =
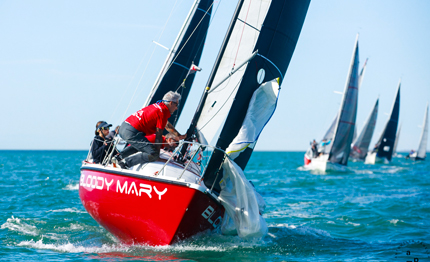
pixel 64 65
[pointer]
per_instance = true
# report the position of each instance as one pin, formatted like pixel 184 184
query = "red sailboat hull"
pixel 140 209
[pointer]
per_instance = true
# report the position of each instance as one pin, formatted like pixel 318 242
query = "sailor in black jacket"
pixel 101 145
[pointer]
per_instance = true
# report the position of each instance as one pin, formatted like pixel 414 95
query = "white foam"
pixel 393 221
pixel 284 225
pixel 54 236
pixel 72 187
pixel 15 224
pixel 71 210
pixel 76 227
pixel 71 248
pixel 354 224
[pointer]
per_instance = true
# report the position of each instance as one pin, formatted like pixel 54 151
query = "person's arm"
pixel 158 139
pixel 171 129
pixel 97 150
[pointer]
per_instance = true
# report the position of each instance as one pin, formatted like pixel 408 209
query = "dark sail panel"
pixel 187 51
pixel 385 148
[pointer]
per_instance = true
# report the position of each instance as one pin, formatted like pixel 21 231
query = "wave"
pixel 72 187
pixel 71 210
pixel 16 224
pixel 72 248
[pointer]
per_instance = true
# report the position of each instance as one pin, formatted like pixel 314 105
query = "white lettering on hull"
pixel 208 213
pixel 101 183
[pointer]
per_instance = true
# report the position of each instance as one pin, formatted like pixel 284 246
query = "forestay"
pixel 344 133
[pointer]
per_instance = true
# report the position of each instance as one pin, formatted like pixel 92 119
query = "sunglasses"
pixel 104 128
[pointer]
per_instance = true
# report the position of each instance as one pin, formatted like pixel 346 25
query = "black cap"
pixel 103 124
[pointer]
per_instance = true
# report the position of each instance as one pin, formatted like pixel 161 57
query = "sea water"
pixel 369 213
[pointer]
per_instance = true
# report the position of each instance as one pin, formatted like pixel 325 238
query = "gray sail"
pixel 421 152
pixel 361 144
pixel 341 145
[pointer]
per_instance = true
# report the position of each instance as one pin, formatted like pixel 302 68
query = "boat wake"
pixel 72 187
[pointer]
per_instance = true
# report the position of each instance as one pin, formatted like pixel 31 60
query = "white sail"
pixel 260 110
pixel 421 152
pixel 220 99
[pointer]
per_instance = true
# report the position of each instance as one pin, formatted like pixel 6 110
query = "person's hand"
pixel 105 143
pixel 181 137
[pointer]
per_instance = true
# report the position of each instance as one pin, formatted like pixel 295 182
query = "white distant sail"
pixel 421 152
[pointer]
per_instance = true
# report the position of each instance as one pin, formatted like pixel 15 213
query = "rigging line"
pixel 179 52
pixel 210 22
pixel 173 60
pixel 243 29
pixel 128 86
pixel 137 86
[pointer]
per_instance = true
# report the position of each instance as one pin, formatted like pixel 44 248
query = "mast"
pixel 341 144
pixel 386 142
pixel 187 49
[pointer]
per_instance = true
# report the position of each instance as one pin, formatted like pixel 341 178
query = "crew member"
pixel 147 121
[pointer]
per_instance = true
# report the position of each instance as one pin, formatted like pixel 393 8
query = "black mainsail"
pixel 388 137
pixel 186 50
pixel 270 28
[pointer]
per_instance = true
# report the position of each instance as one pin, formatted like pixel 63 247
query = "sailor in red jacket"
pixel 147 121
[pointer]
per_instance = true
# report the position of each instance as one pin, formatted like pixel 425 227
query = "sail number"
pixel 208 213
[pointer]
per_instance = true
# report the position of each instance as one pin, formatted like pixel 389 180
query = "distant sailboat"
pixel 420 154
pixel 361 144
pixel 383 150
pixel 337 156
